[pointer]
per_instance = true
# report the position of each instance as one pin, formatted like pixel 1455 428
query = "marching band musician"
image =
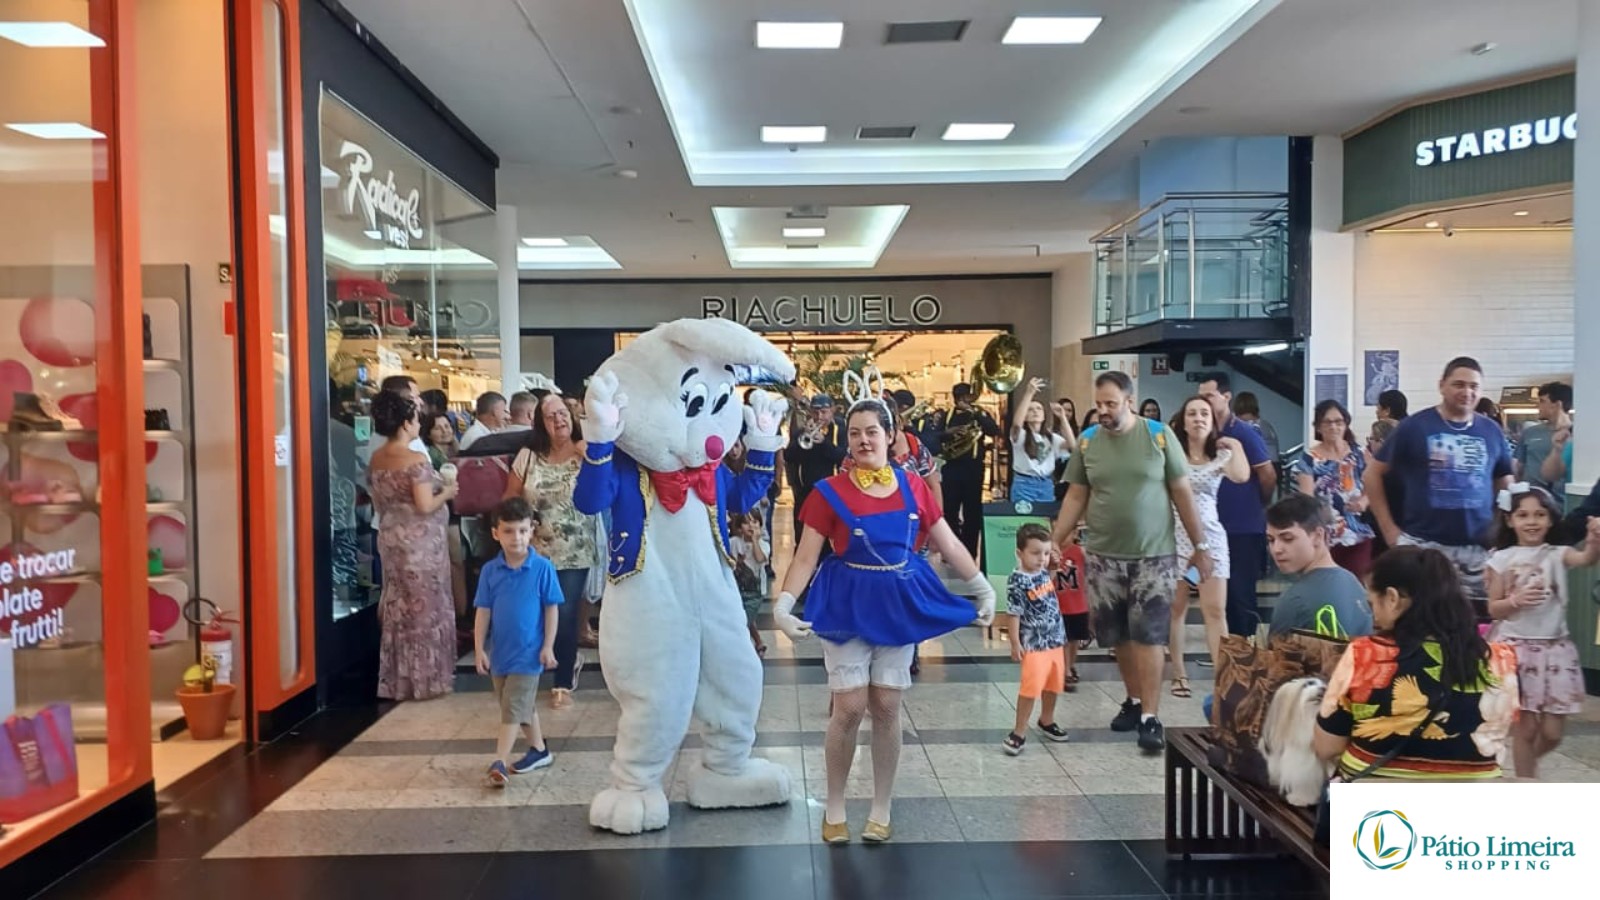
pixel 964 444
pixel 816 450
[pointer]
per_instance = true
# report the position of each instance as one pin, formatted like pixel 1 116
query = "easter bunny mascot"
pixel 662 412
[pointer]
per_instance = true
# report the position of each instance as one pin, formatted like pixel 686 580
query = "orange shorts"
pixel 1043 670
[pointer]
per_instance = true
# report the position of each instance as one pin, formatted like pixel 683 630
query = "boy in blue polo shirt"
pixel 517 598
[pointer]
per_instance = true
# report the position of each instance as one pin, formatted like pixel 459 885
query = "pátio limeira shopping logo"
pixel 1386 840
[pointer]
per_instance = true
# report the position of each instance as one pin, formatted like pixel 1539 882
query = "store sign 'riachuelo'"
pixel 1490 141
pixel 823 310
pixel 401 218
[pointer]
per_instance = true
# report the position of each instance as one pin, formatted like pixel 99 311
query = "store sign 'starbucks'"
pixel 1502 142
pixel 386 210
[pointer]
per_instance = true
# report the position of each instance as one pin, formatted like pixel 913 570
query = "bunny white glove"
pixel 604 404
pixel 978 587
pixel 762 416
pixel 783 616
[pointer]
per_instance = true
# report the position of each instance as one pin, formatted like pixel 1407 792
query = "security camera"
pixel 1449 232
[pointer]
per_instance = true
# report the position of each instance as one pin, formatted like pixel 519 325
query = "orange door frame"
pixel 119 388
pixel 253 105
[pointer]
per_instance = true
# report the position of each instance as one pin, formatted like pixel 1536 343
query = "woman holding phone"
pixel 1211 457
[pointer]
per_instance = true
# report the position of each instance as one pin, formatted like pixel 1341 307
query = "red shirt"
pixel 1069 581
pixel 819 516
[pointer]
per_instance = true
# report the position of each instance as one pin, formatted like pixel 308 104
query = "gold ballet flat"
pixel 835 832
pixel 876 832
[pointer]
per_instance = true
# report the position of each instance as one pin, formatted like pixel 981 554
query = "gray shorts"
pixel 1130 599
pixel 517 695
pixel 1469 562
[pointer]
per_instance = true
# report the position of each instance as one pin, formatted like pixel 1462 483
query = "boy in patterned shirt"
pixel 1037 636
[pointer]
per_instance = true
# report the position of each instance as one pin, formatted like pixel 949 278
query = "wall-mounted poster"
pixel 1333 384
pixel 1383 374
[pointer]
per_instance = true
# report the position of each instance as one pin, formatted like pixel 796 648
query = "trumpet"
pixel 811 437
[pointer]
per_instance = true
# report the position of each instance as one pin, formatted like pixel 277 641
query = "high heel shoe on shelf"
pixel 28 414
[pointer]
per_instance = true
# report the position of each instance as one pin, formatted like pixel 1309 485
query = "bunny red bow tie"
pixel 672 488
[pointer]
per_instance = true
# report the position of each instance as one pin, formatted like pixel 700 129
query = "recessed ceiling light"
pixel 56 131
pixel 48 34
pixel 799 35
pixel 1520 212
pixel 1432 223
pixel 545 242
pixel 794 134
pixel 1050 29
pixel 978 131
pixel 804 232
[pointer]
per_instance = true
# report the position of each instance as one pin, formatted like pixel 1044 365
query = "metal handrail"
pixel 1189 195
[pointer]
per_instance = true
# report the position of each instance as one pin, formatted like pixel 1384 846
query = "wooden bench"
pixel 1210 814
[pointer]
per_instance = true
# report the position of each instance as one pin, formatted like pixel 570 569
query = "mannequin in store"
pixel 660 415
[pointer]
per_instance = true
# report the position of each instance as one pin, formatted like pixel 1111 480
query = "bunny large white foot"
pixel 629 812
pixel 762 783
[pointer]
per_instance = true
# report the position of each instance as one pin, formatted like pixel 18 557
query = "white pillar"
pixel 1332 344
pixel 506 242
pixel 1071 320
pixel 1586 266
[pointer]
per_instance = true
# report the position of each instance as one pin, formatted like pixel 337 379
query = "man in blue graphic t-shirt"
pixel 1452 462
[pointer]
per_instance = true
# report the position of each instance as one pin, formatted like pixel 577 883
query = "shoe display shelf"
pixel 44 433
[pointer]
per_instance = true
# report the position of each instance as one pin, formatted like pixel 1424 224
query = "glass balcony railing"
pixel 1194 256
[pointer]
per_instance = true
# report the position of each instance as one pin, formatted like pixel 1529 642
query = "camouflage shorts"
pixel 1130 599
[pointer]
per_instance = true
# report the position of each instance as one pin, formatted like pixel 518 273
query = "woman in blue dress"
pixel 871 602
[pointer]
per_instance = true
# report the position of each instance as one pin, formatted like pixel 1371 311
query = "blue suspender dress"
pixel 879 589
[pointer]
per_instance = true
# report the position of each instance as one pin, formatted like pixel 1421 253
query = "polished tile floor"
pixel 389 802
pixel 392 801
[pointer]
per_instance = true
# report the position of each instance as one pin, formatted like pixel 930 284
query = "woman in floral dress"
pixel 416 657
pixel 1331 470
pixel 544 473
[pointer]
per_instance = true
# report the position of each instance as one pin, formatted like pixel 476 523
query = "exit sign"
pixel 1100 365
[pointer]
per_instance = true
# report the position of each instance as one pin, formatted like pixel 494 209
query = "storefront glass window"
pixel 52 640
pixel 411 290
pixel 283 384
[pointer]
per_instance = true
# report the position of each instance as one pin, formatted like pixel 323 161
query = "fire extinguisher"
pixel 215 637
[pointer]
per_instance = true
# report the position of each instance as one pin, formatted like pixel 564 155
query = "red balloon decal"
pixel 85 408
pixel 164 611
pixel 59 331
pixel 14 378
pixel 171 537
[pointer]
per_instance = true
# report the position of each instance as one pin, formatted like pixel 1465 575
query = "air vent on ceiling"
pixel 926 32
pixel 807 211
pixel 885 132
pixel 803 246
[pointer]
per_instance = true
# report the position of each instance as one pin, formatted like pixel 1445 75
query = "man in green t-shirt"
pixel 1127 476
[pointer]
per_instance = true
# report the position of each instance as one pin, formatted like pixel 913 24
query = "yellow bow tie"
pixel 865 477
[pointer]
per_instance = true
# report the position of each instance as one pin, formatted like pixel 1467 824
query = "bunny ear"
pixel 872 381
pixel 855 388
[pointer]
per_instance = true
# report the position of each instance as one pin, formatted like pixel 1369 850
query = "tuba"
pixel 999 369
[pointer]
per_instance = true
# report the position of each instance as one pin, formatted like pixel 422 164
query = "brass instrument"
pixel 1000 368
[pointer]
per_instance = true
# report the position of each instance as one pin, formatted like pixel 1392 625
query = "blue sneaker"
pixel 534 759
pixel 498 776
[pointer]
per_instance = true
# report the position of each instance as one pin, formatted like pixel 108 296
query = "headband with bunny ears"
pixel 866 386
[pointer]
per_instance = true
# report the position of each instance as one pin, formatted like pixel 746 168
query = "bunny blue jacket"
pixel 613 480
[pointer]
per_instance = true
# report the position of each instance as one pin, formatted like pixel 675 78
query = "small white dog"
pixel 1292 766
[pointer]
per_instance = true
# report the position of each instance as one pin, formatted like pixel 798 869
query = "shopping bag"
pixel 38 763
pixel 1247 675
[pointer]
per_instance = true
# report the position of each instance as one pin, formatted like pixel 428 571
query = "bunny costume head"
pixel 683 406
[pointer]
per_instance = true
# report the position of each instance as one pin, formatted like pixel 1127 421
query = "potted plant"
pixel 205 702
